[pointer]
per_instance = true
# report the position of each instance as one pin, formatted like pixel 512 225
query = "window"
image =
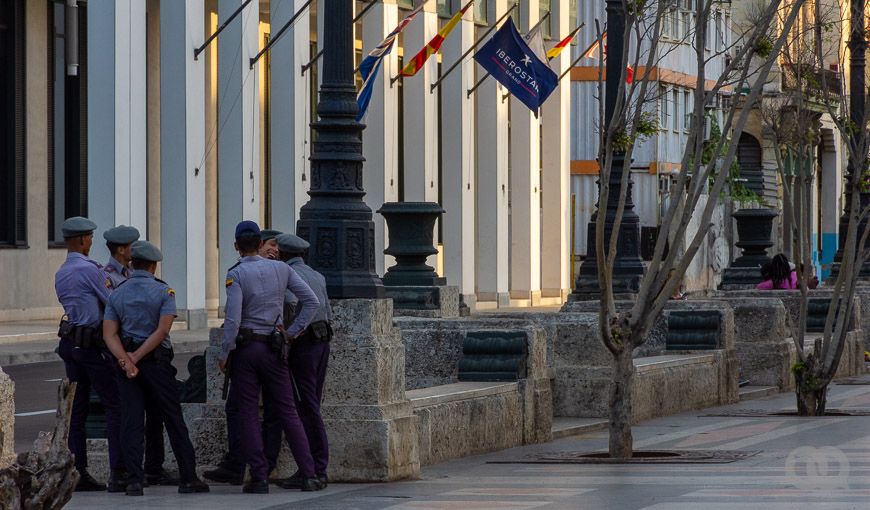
pixel 480 12
pixel 67 123
pixel 685 25
pixel 544 10
pixel 572 18
pixel 13 221
pixel 675 101
pixel 663 108
pixel 720 33
pixel 689 108
pixel 675 24
pixel 443 8
pixel 405 4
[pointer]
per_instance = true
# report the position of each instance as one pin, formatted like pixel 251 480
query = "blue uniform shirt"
pixel 82 288
pixel 138 304
pixel 255 299
pixel 317 283
pixel 116 272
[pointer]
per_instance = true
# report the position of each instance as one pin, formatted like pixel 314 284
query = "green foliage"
pixel 763 47
pixel 646 126
pixel 737 190
pixel 798 367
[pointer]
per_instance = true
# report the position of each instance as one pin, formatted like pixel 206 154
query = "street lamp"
pixel 336 220
pixel 628 267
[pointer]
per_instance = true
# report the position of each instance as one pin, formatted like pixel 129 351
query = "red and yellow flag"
pixel 557 49
pixel 592 52
pixel 416 63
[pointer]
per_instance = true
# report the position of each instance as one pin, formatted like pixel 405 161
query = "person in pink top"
pixel 780 275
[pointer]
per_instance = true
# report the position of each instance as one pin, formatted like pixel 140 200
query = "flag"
pixel 592 52
pixel 561 45
pixel 511 61
pixel 368 68
pixel 416 63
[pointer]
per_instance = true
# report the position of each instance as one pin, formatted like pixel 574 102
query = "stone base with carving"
pixel 424 301
pixel 7 420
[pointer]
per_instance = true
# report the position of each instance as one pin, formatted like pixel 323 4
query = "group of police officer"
pixel 114 339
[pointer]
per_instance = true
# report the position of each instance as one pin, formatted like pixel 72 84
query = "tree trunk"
pixel 811 398
pixel 621 441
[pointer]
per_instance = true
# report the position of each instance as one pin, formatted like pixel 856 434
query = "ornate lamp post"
pixel 336 221
pixel 857 95
pixel 628 267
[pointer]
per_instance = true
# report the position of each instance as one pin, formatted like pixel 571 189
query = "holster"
pixel 82 336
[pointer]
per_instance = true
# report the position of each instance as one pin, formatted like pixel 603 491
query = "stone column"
pixel 832 189
pixel 556 172
pixel 238 142
pixel 116 117
pixel 290 96
pixel 182 144
pixel 381 136
pixel 491 136
pixel 525 198
pixel 458 165
pixel 365 408
pixel 421 112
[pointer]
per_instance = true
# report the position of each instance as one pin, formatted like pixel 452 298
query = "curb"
pixel 24 358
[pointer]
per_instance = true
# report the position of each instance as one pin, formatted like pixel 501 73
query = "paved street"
pixel 818 463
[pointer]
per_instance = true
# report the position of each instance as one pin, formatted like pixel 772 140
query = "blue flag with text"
pixel 510 60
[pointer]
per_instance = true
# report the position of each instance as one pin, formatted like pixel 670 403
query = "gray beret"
pixel 289 243
pixel 143 250
pixel 122 234
pixel 267 234
pixel 77 226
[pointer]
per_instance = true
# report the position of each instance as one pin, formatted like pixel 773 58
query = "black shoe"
pixel 135 489
pixel 117 481
pixel 192 487
pixel 224 475
pixel 311 485
pixel 256 487
pixel 324 481
pixel 161 478
pixel 88 484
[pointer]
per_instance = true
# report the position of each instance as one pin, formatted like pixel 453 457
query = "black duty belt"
pixel 81 336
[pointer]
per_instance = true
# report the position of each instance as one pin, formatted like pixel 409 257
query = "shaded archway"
pixel 749 159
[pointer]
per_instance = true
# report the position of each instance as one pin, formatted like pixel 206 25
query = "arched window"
pixel 749 159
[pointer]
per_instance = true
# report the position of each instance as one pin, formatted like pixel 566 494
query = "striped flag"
pixel 416 63
pixel 368 68
pixel 561 45
pixel 592 52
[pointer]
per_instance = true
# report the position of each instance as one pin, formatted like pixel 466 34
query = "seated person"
pixel 779 276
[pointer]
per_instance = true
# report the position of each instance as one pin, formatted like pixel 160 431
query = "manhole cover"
pixel 640 457
pixel 760 413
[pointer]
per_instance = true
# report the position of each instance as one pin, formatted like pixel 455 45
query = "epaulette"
pixel 159 280
pixel 234 266
pixel 94 262
pixel 122 283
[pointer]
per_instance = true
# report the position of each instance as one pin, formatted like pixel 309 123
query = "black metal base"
pixel 740 278
pixel 628 269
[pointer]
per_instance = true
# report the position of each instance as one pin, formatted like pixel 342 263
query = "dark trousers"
pixel 308 361
pixel 254 369
pixel 155 453
pixel 155 383
pixel 92 368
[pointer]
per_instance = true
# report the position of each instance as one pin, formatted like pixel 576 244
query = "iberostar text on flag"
pixel 510 60
pixel 368 68
pixel 416 63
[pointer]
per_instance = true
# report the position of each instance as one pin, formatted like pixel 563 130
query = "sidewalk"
pixel 815 463
pixel 35 341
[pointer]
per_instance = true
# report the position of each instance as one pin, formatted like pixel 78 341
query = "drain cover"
pixel 640 457
pixel 760 413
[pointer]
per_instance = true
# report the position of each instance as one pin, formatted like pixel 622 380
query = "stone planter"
pixel 411 228
pixel 754 230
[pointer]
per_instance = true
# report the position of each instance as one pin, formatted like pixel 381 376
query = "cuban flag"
pixel 368 68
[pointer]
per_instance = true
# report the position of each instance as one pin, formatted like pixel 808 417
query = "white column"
pixel 289 113
pixel 525 165
pixel 492 184
pixel 116 117
pixel 421 112
pixel 556 172
pixel 381 136
pixel 458 164
pixel 239 127
pixel 182 144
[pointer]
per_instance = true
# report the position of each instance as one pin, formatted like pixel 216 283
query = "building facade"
pixel 112 114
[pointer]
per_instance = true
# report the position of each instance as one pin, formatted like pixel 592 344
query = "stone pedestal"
pixel 7 420
pixel 439 302
pixel 371 426
pixel 754 228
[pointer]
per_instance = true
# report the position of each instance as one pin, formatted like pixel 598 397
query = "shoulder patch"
pixel 108 283
pixel 170 292
pixel 229 281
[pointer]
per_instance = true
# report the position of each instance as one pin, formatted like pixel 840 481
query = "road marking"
pixel 36 413
pixel 53 380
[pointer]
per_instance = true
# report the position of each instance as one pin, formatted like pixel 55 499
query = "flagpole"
pixel 273 40
pixel 364 11
pixel 473 46
pixel 220 29
pixel 487 75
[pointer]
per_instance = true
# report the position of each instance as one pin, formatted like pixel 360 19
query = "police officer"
pixel 252 332
pixel 119 241
pixel 269 248
pixel 138 317
pixel 83 288
pixel 308 358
